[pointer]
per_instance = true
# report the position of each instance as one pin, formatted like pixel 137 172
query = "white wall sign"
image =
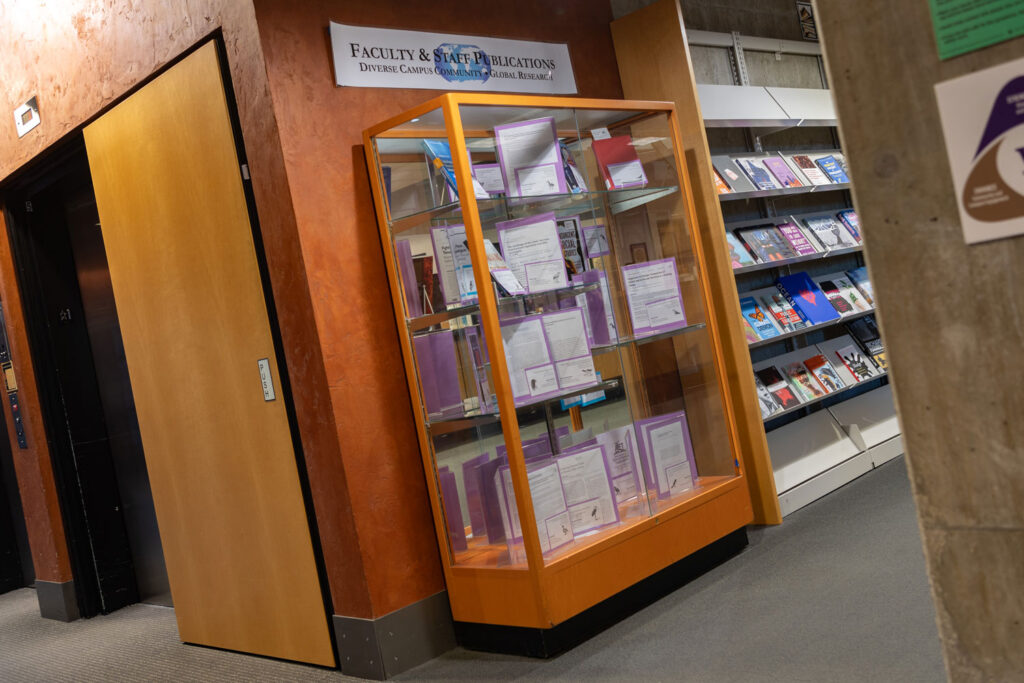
pixel 983 122
pixel 26 117
pixel 386 58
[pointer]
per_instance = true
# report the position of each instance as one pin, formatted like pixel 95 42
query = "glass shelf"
pixel 799 259
pixel 812 328
pixel 465 420
pixel 502 207
pixel 646 339
pixel 425 321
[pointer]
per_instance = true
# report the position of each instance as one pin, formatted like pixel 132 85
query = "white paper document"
pixel 489 177
pixel 537 180
pixel 566 334
pixel 575 372
pixel 525 347
pixel 652 292
pixel 542 379
pixel 553 524
pixel 500 270
pixel 623 461
pixel 445 265
pixel 588 492
pixel 668 453
pixel 462 263
pixel 628 174
pixel 533 252
pixel 523 147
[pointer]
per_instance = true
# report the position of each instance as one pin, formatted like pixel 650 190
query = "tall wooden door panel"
pixel 195 325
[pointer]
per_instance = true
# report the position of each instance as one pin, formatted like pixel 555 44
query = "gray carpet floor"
pixel 837 593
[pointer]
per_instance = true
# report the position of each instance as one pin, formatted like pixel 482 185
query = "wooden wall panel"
pixel 321 127
pixel 191 306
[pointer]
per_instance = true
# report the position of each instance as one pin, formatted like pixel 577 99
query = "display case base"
pixel 543 643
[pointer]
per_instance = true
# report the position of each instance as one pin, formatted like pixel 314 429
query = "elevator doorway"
pixel 78 353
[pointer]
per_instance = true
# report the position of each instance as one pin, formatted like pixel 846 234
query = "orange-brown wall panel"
pixel 321 127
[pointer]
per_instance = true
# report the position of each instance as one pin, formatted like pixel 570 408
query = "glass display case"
pixel 569 392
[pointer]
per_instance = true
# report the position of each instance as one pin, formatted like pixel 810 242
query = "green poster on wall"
pixel 963 26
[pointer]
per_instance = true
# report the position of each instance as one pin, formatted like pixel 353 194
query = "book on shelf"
pixel 766 243
pixel 850 362
pixel 777 386
pixel 782 172
pixel 758 173
pixel 761 321
pixel 850 291
pixel 439 156
pixel 865 331
pixel 804 384
pixel 824 373
pixel 841 303
pixel 806 165
pixel 830 233
pixel 782 312
pixel 732 174
pixel 738 254
pixel 849 218
pixel 832 166
pixel 574 180
pixel 807 298
pixel 859 277
pixel 797 239
pixel 619 164
pixel 720 185
pixel 769 404
pixel 748 331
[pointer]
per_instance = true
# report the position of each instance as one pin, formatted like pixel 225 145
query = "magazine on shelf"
pixel 832 166
pixel 758 173
pixel 766 243
pixel 720 185
pixel 850 219
pixel 859 277
pixel 810 170
pixel 831 233
pixel 732 174
pixel 755 314
pixel 866 333
pixel 842 305
pixel 804 384
pixel 769 404
pixel 738 254
pixel 849 361
pixel 777 386
pixel 782 311
pixel 782 172
pixel 807 298
pixel 797 239
pixel 850 291
pixel 824 373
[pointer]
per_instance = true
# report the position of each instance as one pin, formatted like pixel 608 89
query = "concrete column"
pixel 951 319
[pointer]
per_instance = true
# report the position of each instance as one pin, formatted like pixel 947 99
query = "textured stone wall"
pixel 952 322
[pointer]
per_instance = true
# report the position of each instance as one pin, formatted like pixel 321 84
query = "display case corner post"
pixel 492 332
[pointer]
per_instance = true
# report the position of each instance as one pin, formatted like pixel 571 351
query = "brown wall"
pixel 302 137
pixel 950 319
pixel 321 128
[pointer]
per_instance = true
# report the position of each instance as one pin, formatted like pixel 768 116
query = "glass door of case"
pixel 564 366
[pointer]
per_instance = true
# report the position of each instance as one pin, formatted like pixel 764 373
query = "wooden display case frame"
pixel 543 595
pixel 658 28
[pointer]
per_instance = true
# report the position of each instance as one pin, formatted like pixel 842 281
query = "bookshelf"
pixel 744 119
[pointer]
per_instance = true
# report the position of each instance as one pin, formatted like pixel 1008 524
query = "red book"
pixel 620 166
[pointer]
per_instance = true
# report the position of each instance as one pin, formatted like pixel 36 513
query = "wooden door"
pixel 195 324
